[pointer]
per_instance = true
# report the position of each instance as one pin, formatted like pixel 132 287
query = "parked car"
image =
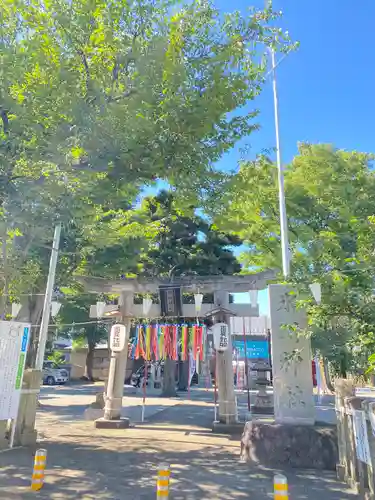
pixel 54 375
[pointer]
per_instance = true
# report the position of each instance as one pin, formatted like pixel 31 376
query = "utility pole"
pixel 280 171
pixel 6 283
pixel 43 333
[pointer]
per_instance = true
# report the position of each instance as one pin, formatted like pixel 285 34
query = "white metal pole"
pixel 282 205
pixel 47 299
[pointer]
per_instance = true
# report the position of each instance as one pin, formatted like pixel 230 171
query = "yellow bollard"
pixel 37 479
pixel 280 486
pixel 162 482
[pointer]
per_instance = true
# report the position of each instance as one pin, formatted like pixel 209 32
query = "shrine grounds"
pixel 86 463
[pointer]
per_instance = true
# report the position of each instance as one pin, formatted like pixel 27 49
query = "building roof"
pixel 218 310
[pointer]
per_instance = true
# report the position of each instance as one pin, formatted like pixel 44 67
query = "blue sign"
pixel 255 349
pixel 25 339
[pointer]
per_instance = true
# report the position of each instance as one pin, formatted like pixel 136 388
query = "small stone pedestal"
pixel 263 402
pixel 121 423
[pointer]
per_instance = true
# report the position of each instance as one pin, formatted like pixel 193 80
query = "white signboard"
pixel 117 338
pixel 258 325
pixel 14 340
pixel 360 436
pixel 220 333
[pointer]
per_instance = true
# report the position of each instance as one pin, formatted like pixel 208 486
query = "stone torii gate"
pixel 220 286
pixel 291 353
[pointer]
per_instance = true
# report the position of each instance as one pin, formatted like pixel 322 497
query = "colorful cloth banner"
pixel 157 342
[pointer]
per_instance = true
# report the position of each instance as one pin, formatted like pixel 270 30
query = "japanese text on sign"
pixel 221 336
pixel 118 338
pixel 170 301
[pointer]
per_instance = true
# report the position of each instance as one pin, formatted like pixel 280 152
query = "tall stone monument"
pixel 291 360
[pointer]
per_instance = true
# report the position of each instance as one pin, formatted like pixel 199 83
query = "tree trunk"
pixel 343 365
pixel 183 380
pixel 90 362
pixel 169 378
pixel 327 375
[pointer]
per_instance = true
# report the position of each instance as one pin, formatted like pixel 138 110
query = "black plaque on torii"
pixel 170 301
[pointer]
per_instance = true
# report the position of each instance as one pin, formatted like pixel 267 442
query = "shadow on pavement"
pixel 84 463
pixel 77 471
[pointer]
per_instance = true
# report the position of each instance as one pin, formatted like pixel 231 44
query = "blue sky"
pixel 325 88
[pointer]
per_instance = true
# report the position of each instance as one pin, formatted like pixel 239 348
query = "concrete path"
pixel 70 403
pixel 85 463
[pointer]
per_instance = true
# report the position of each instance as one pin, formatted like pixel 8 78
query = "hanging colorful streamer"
pixel 184 342
pixel 161 342
pixel 200 342
pixel 195 345
pixel 148 343
pixel 158 342
pixel 155 347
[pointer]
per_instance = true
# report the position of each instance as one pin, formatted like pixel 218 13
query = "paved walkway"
pixel 85 463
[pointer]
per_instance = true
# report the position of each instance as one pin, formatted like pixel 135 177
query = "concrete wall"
pixel 77 361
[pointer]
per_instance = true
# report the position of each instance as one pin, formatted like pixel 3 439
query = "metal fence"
pixel 356 439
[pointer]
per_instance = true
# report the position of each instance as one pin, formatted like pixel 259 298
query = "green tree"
pixel 132 91
pixel 98 99
pixel 57 359
pixel 330 197
pixel 176 242
pixel 185 242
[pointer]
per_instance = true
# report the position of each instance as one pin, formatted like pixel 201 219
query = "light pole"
pixel 43 332
pixel 280 171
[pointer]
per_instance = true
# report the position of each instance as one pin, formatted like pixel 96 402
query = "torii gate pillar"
pixel 117 368
pixel 227 399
